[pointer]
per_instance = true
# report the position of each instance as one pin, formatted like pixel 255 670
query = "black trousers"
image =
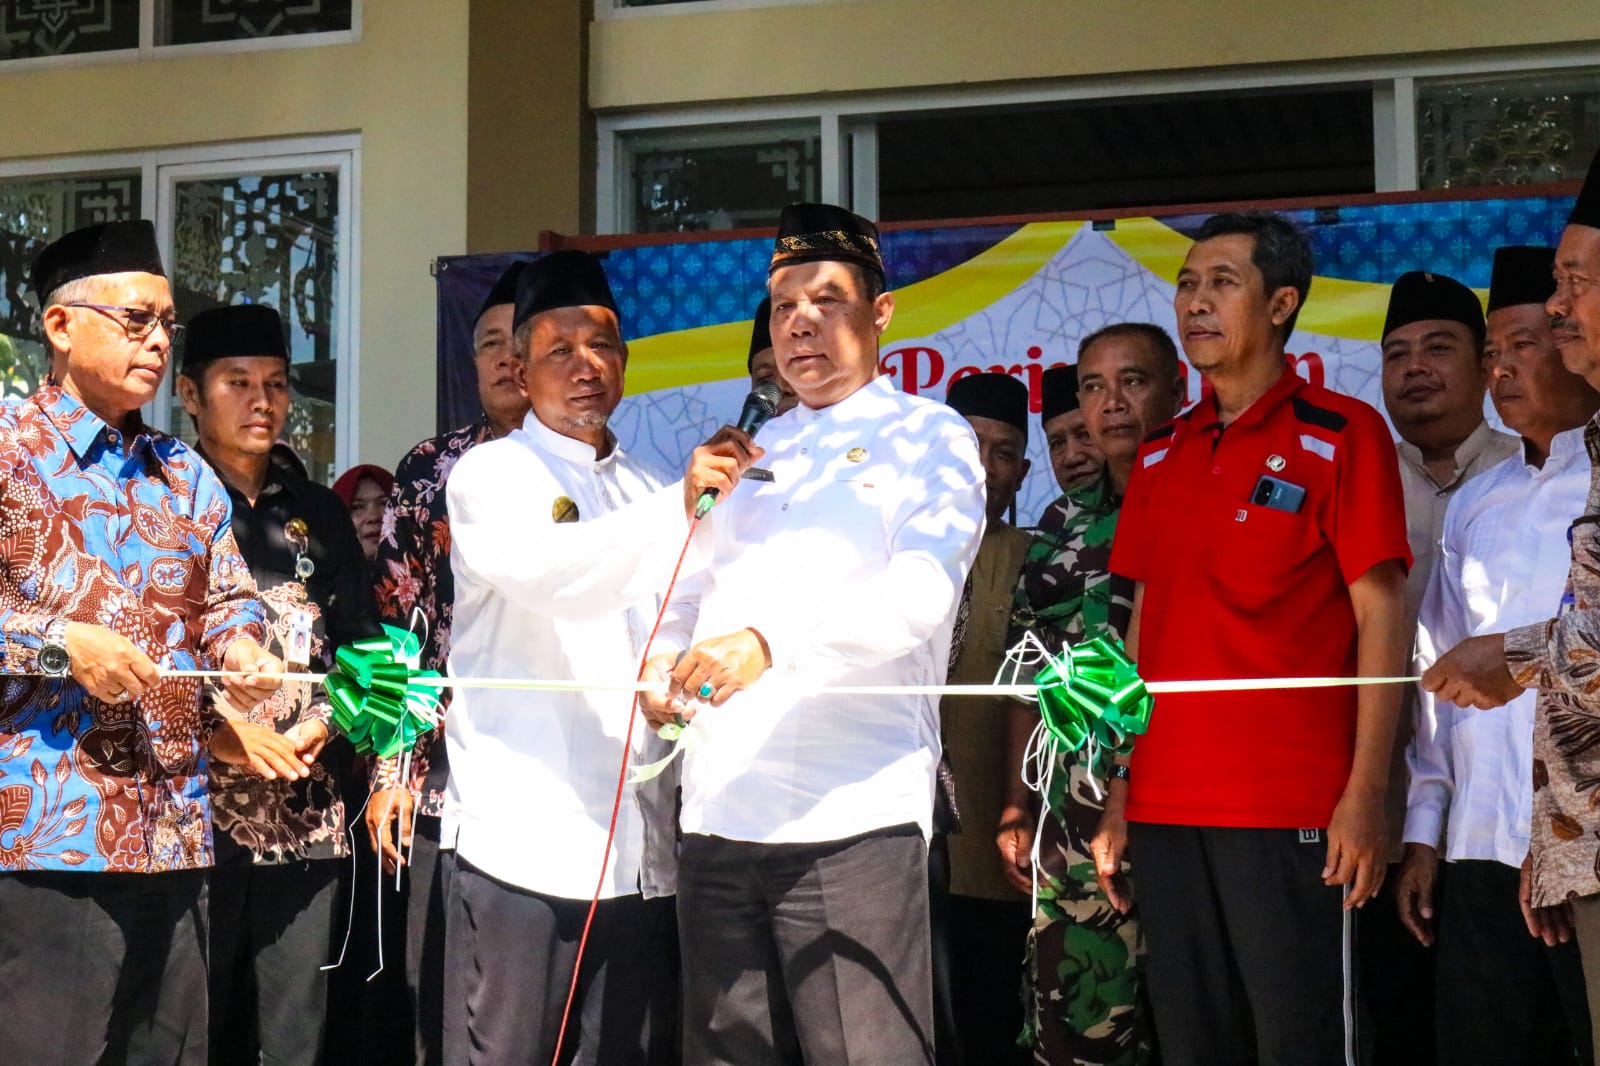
pixel 1249 953
pixel 270 933
pixel 1398 977
pixel 978 950
pixel 509 955
pixel 820 947
pixel 428 889
pixel 103 968
pixel 1503 996
pixel 988 939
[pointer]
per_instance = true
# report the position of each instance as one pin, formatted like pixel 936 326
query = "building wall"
pixel 402 87
pixel 529 134
pixel 660 57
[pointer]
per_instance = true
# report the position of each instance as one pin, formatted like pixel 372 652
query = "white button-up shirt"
pixel 1503 563
pixel 849 562
pixel 533 774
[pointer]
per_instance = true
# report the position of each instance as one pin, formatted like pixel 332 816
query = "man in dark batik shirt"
pixel 413 574
pixel 117 560
pixel 1083 1001
pixel 280 822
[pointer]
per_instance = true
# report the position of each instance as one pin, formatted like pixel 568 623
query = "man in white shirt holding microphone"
pixel 562 546
pixel 802 907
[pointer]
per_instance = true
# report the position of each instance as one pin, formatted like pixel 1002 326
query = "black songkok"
pixel 504 290
pixel 108 248
pixel 237 330
pixel 568 278
pixel 1586 212
pixel 1522 275
pixel 991 395
pixel 761 331
pixel 1420 297
pixel 809 233
pixel 1059 392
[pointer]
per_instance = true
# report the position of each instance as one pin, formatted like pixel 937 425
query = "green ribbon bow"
pixel 376 702
pixel 1093 690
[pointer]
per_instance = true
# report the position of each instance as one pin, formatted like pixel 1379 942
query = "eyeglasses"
pixel 138 323
pixel 1574 284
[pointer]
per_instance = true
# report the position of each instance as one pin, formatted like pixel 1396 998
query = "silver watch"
pixel 53 658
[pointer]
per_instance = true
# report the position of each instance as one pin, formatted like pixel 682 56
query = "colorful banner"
pixel 1017 299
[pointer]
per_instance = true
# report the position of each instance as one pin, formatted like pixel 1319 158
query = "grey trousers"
pixel 103 968
pixel 820 947
pixel 428 889
pixel 509 957
pixel 1586 922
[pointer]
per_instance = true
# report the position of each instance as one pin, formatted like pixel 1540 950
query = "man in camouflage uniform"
pixel 1082 984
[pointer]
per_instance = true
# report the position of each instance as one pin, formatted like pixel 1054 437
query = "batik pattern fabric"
pixel 129 530
pixel 1561 658
pixel 1081 982
pixel 278 821
pixel 414 580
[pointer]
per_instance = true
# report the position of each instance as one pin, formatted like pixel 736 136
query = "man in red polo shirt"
pixel 1265 529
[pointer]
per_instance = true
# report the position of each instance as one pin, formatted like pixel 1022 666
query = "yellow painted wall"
pixel 402 87
pixel 527 127
pixel 844 46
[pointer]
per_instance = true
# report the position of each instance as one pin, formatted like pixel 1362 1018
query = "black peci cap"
pixel 1586 211
pixel 504 290
pixel 1523 274
pixel 237 330
pixel 1058 389
pixel 568 278
pixel 107 248
pixel 1419 296
pixel 810 233
pixel 991 395
pixel 760 331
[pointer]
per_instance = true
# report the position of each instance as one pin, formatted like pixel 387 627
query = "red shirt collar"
pixel 1288 383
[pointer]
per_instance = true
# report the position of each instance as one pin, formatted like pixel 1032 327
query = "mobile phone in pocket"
pixel 1278 495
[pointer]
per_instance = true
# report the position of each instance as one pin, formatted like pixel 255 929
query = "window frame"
pixel 620 9
pixel 160 169
pixel 687 137
pixel 849 122
pixel 149 49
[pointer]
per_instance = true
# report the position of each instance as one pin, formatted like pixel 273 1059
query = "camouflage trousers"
pixel 1082 996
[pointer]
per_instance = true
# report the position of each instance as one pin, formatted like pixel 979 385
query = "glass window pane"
pixel 272 239
pixel 203 21
pixel 30 29
pixel 1102 154
pixel 1508 130
pixel 726 177
pixel 34 212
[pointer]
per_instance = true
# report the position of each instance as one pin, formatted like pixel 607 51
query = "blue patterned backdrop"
pixel 663 288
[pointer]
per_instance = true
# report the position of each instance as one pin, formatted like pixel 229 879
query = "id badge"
pixel 297 645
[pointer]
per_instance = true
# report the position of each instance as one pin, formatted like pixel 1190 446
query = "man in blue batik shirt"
pixel 116 562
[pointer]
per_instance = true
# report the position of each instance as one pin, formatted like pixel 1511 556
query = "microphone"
pixel 760 405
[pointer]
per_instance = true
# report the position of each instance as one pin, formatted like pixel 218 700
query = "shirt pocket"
pixel 843 519
pixel 1262 551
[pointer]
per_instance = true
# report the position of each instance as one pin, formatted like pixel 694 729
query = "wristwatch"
pixel 1120 771
pixel 53 658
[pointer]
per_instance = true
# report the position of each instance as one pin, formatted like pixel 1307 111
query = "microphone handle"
pixel 751 419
